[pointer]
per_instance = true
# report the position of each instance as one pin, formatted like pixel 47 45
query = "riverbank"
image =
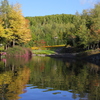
pixel 63 55
pixel 68 53
pixel 92 56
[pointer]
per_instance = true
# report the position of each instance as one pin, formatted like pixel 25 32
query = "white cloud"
pixel 91 2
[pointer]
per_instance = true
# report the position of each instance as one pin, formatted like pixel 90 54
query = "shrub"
pixel 17 51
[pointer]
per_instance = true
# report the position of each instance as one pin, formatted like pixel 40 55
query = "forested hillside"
pixel 50 29
pixel 79 30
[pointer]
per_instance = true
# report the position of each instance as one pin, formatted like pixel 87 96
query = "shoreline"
pixel 95 58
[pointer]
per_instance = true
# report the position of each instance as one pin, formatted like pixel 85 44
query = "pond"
pixel 45 78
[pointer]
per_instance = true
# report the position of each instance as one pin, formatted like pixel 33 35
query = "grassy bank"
pixel 43 52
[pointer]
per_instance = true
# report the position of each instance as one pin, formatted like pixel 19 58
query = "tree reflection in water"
pixel 13 78
pixel 80 78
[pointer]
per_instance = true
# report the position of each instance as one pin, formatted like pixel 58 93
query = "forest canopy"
pixel 79 30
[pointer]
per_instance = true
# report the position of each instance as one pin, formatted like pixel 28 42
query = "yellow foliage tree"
pixel 1 30
pixel 18 25
pixel 14 28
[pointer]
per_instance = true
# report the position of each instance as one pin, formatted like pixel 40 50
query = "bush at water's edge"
pixel 17 51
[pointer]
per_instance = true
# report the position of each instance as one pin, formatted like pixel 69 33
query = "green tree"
pixel 95 27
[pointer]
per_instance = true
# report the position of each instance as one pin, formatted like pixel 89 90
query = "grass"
pixel 1 48
pixel 43 52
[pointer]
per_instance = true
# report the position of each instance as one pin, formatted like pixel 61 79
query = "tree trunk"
pixel 13 42
pixel 6 47
pixel 87 47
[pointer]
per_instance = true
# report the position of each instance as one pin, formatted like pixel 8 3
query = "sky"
pixel 52 7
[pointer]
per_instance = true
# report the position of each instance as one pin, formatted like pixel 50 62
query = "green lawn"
pixel 43 52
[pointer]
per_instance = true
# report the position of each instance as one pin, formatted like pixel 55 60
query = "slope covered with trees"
pixel 79 30
pixel 50 29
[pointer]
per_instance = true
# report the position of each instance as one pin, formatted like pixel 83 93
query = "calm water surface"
pixel 44 78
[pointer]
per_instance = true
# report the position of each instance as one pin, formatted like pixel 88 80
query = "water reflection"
pixel 13 79
pixel 79 78
pixel 44 77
